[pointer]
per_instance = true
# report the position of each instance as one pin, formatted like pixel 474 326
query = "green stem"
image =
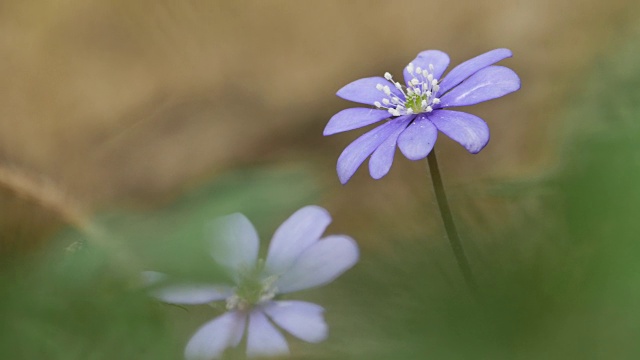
pixel 449 225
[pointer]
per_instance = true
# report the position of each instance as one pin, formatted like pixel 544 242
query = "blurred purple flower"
pixel 417 111
pixel 297 259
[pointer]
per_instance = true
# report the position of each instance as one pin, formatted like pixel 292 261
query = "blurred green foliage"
pixel 73 307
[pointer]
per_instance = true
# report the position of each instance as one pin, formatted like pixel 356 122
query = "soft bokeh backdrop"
pixel 133 123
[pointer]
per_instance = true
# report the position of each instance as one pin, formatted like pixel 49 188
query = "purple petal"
pixel 382 158
pixel 263 339
pixel 437 58
pixel 320 264
pixel 191 294
pixel 489 83
pixel 468 130
pixel 210 341
pixel 354 154
pixel 236 242
pixel 418 139
pixel 364 90
pixel 355 118
pixel 302 319
pixel 294 236
pixel 471 66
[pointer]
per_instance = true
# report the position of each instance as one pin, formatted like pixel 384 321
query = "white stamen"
pixel 418 92
pixel 232 302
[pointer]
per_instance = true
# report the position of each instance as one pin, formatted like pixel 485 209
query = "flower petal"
pixel 236 242
pixel 382 158
pixel 437 58
pixel 294 236
pixel 471 66
pixel 191 294
pixel 263 339
pixel 489 83
pixel 320 264
pixel 355 118
pixel 468 130
pixel 210 341
pixel 418 139
pixel 354 154
pixel 364 90
pixel 302 319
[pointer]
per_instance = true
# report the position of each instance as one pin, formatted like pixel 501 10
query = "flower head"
pixel 297 259
pixel 417 109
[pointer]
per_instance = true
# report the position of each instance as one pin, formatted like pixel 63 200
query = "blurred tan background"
pixel 129 103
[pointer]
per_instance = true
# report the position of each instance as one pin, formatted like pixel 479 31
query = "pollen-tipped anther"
pixel 415 98
pixel 410 68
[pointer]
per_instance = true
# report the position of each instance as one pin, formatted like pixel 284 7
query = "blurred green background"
pixel 127 126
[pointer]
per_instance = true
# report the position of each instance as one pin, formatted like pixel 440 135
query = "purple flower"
pixel 418 110
pixel 297 259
